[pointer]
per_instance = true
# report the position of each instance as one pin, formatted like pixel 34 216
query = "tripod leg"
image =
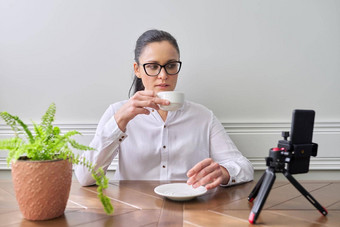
pixel 268 181
pixel 256 189
pixel 306 194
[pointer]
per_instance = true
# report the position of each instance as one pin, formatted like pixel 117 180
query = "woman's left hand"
pixel 208 173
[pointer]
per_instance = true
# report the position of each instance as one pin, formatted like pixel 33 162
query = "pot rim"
pixel 25 159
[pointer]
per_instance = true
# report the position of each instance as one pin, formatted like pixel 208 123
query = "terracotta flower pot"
pixel 42 187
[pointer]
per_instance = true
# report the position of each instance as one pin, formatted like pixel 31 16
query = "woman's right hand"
pixel 136 105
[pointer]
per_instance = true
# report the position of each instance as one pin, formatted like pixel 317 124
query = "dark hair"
pixel 146 38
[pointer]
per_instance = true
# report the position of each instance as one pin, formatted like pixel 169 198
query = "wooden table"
pixel 136 204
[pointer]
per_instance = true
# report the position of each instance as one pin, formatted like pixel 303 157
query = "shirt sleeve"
pixel 106 144
pixel 224 152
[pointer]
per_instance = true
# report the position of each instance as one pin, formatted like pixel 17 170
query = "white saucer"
pixel 179 191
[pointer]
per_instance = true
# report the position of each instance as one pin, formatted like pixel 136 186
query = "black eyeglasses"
pixel 171 68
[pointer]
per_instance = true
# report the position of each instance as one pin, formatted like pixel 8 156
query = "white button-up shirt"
pixel 151 149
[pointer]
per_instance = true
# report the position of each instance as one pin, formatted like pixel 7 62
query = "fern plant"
pixel 47 143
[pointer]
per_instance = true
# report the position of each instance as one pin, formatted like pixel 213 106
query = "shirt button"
pixel 152 110
pixel 233 180
pixel 164 147
pixel 163 166
pixel 120 140
pixel 164 126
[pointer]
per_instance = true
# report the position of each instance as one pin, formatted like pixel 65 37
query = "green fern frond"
pixel 25 127
pixel 78 146
pixel 48 117
pixel 38 130
pixel 59 141
pixel 102 182
pixel 71 133
pixel 13 145
pixel 8 118
pixel 12 121
pixel 56 130
pixel 36 150
pixel 10 143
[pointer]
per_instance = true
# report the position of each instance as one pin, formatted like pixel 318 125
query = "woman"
pixel 187 144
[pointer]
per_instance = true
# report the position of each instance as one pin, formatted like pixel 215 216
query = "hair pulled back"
pixel 146 38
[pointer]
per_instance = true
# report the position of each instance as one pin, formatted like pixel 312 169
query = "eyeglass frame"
pixel 163 66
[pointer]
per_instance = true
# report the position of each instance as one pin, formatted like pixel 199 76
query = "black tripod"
pixel 276 164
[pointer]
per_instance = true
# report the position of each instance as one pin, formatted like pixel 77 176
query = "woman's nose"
pixel 163 74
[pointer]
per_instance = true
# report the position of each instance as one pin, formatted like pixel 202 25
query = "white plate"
pixel 179 191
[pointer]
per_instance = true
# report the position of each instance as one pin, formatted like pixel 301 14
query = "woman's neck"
pixel 163 114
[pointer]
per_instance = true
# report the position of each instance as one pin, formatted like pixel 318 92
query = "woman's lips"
pixel 162 85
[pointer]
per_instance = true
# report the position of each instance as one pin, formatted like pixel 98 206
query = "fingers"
pixel 199 167
pixel 154 98
pixel 206 172
pixel 144 99
pixel 214 182
pixel 152 103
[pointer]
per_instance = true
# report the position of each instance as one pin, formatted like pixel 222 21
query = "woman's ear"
pixel 136 69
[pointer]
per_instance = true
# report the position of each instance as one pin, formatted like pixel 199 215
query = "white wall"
pixel 252 62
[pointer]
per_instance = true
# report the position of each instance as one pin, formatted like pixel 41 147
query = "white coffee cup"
pixel 176 99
